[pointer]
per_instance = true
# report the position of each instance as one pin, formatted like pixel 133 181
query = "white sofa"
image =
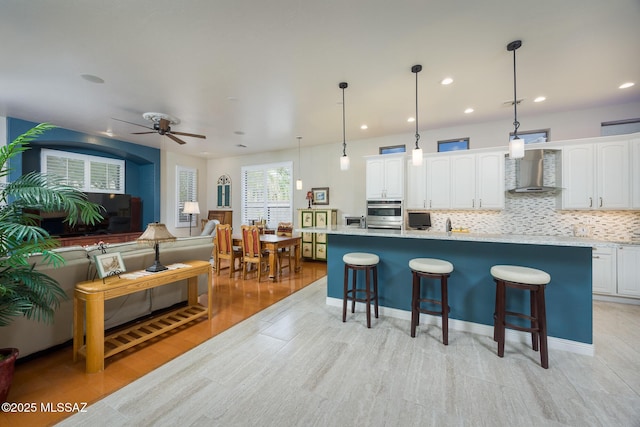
pixel 31 336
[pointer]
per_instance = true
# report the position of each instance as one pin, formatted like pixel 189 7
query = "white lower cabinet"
pixel 604 271
pixel 616 271
pixel 629 271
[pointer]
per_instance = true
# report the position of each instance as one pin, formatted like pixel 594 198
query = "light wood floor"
pixel 54 378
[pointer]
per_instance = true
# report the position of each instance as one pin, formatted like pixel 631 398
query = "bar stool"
pixel 369 263
pixel 432 269
pixel 527 279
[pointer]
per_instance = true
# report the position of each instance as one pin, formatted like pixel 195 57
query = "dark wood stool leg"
pixel 367 293
pixel 354 292
pixel 535 320
pixel 542 324
pixel 500 313
pixel 445 310
pixel 415 313
pixel 345 293
pixel 375 288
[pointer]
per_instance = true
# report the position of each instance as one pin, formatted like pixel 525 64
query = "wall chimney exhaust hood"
pixel 529 174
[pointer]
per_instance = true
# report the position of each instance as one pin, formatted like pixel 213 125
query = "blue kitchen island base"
pixel 471 286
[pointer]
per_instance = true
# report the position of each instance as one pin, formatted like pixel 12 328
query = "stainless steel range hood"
pixel 529 173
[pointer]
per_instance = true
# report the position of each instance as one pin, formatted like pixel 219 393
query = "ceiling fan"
pixel 162 125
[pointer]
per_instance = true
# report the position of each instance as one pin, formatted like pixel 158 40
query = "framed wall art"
pixel 320 195
pixel 109 264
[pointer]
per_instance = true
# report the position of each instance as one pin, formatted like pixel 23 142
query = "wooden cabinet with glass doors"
pixel 314 245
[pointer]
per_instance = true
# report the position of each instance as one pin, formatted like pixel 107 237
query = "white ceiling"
pixel 270 69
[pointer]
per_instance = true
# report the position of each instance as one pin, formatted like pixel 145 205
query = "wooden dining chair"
pixel 224 249
pixel 284 229
pixel 252 252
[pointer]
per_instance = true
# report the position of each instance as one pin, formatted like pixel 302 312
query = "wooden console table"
pixel 93 294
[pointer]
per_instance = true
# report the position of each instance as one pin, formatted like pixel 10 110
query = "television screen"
pixel 419 220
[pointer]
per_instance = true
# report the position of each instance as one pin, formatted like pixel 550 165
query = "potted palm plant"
pixel 24 291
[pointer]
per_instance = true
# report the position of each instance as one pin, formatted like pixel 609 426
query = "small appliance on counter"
pixel 355 221
pixel 418 220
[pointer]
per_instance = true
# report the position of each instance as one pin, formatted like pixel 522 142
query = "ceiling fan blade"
pixel 195 135
pixel 176 139
pixel 131 123
pixel 142 133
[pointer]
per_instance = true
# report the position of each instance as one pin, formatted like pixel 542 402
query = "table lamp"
pixel 191 208
pixel 154 235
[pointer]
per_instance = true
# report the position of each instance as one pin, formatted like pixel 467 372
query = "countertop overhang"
pixel 523 239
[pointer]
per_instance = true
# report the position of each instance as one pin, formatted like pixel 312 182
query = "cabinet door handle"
pixel 430 203
pixel 480 205
pixel 473 203
pixel 596 257
pixel 600 201
pixel 590 202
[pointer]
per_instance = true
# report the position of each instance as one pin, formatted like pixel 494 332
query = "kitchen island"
pixel 471 286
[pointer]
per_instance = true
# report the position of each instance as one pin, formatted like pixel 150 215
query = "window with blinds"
pixel 267 193
pixel 187 191
pixel 86 173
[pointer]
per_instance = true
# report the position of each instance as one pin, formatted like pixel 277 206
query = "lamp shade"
pixel 416 157
pixel 191 208
pixel 156 233
pixel 516 148
pixel 344 163
pixel 298 184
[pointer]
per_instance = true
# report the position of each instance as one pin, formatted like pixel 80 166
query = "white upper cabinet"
pixel 477 181
pixel 416 186
pixel 385 177
pixel 596 176
pixel 634 145
pixel 438 176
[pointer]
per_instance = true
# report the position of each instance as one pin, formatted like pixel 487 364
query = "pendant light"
pixel 299 181
pixel 516 145
pixel 344 160
pixel 416 156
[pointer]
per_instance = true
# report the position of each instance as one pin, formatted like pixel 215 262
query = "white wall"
pixel 320 164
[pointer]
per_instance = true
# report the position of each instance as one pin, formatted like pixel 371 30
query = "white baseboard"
pixel 477 328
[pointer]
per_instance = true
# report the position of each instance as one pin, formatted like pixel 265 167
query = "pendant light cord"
pixel 516 123
pixel 344 138
pixel 417 134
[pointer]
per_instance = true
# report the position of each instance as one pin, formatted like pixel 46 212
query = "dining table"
pixel 273 243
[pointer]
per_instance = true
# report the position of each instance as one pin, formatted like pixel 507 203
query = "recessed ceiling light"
pixel 468 111
pixel 91 78
pixel 540 99
pixel 626 85
pixel 364 127
pixel 411 119
pixel 446 81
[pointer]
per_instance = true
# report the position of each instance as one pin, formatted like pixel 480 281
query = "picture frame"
pixel 320 195
pixel 110 264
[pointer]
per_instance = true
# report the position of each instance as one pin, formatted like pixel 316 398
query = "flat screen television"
pixel 419 220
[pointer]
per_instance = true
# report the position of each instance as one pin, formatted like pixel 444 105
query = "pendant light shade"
pixel 344 160
pixel 516 145
pixel 416 155
pixel 299 181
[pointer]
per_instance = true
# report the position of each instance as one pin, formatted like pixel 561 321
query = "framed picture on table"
pixel 320 195
pixel 109 264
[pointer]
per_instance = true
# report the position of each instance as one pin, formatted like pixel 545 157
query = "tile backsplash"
pixel 538 214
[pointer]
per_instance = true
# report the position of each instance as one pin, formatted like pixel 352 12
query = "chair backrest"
pixel 285 229
pixel 251 241
pixel 224 241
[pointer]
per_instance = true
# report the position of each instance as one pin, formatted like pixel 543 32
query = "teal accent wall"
pixel 142 164
pixel 471 286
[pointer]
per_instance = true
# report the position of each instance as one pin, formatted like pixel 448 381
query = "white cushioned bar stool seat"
pixel 430 268
pixel 355 261
pixel 527 279
pixel 360 258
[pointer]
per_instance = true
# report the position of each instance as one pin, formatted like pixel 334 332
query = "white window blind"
pixel 84 172
pixel 267 193
pixel 187 191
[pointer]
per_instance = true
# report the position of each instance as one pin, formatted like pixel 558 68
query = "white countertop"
pixel 468 237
